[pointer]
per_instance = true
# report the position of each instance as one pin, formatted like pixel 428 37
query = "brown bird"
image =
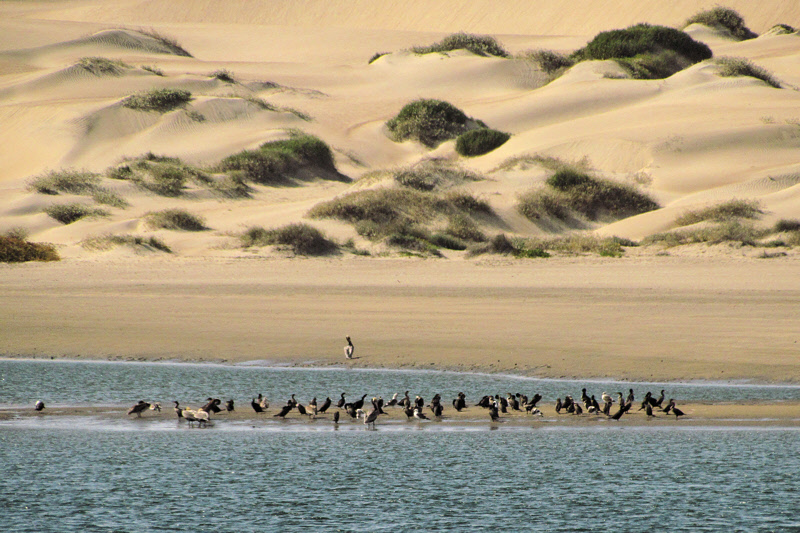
pixel 139 408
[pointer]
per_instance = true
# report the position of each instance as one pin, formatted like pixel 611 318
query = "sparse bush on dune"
pixel 159 100
pixel 738 66
pixel 162 175
pixel 500 244
pixel 482 45
pixel 430 122
pixel 68 181
pixel 102 196
pixel 646 51
pixel 16 249
pixel 101 66
pixel 434 174
pixel 302 238
pixel 169 42
pixel 155 70
pixel 722 18
pixel 733 231
pixel 175 219
pixel 223 75
pixel 277 162
pixel 781 29
pixel 464 228
pixel 69 213
pixel 479 142
pixel 377 56
pixel 787 224
pixel 135 241
pixel 548 61
pixel 723 212
pixel 570 191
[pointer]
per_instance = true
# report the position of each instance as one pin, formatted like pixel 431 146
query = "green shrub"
pixel 649 51
pixel 166 180
pixel 468 203
pixel 481 141
pixel 738 66
pixel 464 228
pixel 102 196
pixel 68 181
pixel 482 45
pixel 302 238
pixel 223 75
pixel 232 186
pixel 787 225
pixel 548 61
pixel 69 213
pixel 275 162
pixel 160 100
pixel 14 249
pixel 501 244
pixel 724 212
pixel 781 29
pixel 542 203
pixel 429 122
pixel 175 219
pixel 722 18
pixel 155 70
pixel 100 66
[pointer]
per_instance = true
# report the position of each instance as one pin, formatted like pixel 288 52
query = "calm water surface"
pixel 87 474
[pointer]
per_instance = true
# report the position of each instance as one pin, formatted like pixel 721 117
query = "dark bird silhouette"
pixel 373 415
pixel 406 401
pixel 292 401
pixel 351 410
pixel 677 412
pixel 558 405
pixel 419 402
pixel 649 411
pixel 229 405
pixel 139 408
pixel 393 401
pixel 256 406
pixel 618 414
pixel 285 411
pixel 630 397
pixel 325 405
pixel 595 404
pixel 493 414
pixel 408 411
pixel 669 406
pixel 585 398
pixel 302 409
pixel 178 409
pixel 460 402
pixel 39 405
pixel 660 399
pixel 578 409
pixel 536 399
pixel 646 401
pixel 607 408
pixel 341 402
pixel 358 404
pixel 212 405
pixel 349 349
pixel 336 417
pixel 513 403
pixel 484 402
pixel 437 410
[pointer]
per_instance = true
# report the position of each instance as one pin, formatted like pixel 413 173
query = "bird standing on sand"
pixel 325 405
pixel 256 406
pixel 349 349
pixel 285 411
pixel 39 405
pixel 138 408
pixel 229 405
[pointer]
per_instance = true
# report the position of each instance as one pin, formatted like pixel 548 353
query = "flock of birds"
pixel 415 409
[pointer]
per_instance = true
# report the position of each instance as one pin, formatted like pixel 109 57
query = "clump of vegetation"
pixel 165 176
pixel 69 213
pixel 401 217
pixel 232 186
pixel 781 29
pixel 570 190
pixel 482 45
pixel 155 70
pixel 175 219
pixel 303 239
pixel 134 241
pixel 101 66
pixel 223 75
pixel 723 18
pixel 15 248
pixel 733 231
pixel 647 51
pixel 103 196
pixel 524 162
pixel 68 181
pixel 738 66
pixel 376 56
pixel 430 122
pixel 787 224
pixel 723 212
pixel 481 141
pixel 551 63
pixel 500 244
pixel 433 174
pixel 169 42
pixel 160 100
pixel 277 161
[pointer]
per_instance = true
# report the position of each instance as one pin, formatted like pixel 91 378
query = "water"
pixel 577 479
pixel 22 382
pixel 106 474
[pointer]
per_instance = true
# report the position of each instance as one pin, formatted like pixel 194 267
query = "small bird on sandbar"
pixel 349 349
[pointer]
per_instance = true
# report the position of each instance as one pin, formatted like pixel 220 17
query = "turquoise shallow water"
pixel 568 479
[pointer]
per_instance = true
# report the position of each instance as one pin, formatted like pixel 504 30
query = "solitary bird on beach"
pixel 349 349
pixel 229 405
pixel 336 417
pixel 39 405
pixel 138 408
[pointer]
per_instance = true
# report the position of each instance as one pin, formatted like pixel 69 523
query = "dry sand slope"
pixel 691 140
